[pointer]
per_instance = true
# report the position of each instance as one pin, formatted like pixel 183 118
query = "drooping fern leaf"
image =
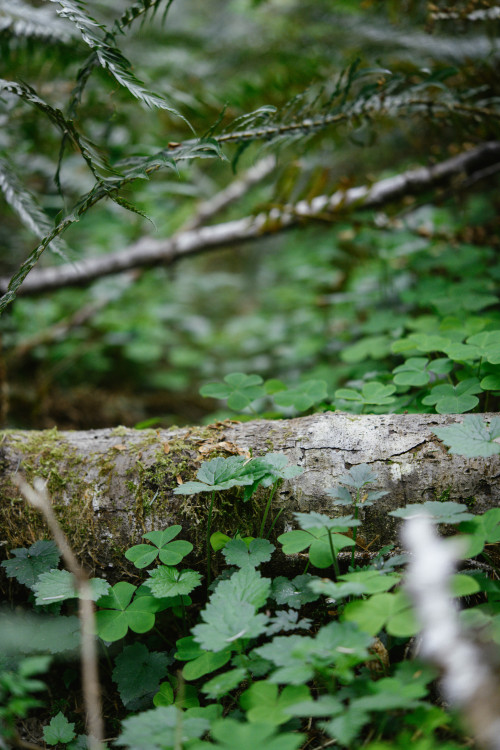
pixel 25 205
pixel 109 57
pixel 133 169
pixel 96 162
pixel 22 22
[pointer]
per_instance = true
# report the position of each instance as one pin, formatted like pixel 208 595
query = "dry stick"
pixel 38 497
pixel 150 252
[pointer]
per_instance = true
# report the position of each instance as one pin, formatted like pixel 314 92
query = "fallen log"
pixel 110 486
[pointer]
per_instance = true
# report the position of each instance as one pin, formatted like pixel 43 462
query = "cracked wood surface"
pixel 110 486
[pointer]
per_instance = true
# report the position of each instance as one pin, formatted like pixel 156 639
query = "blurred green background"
pixel 328 300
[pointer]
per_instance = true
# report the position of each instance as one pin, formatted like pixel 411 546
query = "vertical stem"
pixel 209 550
pixel 278 514
pixel 354 529
pixel 266 511
pixel 334 556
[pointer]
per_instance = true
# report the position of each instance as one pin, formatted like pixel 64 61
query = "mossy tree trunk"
pixel 108 487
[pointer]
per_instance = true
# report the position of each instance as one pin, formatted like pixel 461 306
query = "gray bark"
pixel 108 487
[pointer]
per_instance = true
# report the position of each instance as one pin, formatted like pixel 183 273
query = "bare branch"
pixel 235 190
pixel 150 252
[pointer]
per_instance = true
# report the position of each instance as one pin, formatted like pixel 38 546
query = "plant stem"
pixel 266 511
pixel 354 529
pixel 209 550
pixel 334 556
pixel 274 522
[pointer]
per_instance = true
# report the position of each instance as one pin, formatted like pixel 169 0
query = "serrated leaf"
pixel 58 585
pixel 169 581
pixel 471 438
pixel 28 563
pixel 440 512
pixel 294 593
pixel 138 673
pixel 217 474
pixel 286 620
pixel 358 476
pixel 264 704
pixel 297 657
pixel 58 729
pixel 161 728
pixel 223 683
pixel 314 520
pixel 341 496
pixel 238 553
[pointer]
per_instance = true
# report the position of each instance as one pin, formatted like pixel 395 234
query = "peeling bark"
pixel 108 487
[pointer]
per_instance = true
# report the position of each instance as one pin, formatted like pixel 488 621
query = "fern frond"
pixel 22 22
pixel 25 205
pixel 133 169
pixel 140 10
pixel 109 57
pixel 97 164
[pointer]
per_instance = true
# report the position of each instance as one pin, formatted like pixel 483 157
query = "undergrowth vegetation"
pixel 253 657
pixel 250 208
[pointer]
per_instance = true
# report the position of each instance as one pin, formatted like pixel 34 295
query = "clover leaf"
pixel 392 611
pixel 217 474
pixel 170 553
pixel 412 372
pixel 473 437
pixel 304 396
pixel 488 344
pixel 239 390
pixel 371 393
pixel 28 563
pixel 118 612
pixel 481 530
pixel 450 399
pixel 230 734
pixel 318 541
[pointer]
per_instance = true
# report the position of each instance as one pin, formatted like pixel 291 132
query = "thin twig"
pixel 38 497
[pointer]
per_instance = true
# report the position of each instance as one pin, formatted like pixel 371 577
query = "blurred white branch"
pixel 468 680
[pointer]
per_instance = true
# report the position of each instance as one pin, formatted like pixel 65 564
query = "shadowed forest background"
pixel 334 299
